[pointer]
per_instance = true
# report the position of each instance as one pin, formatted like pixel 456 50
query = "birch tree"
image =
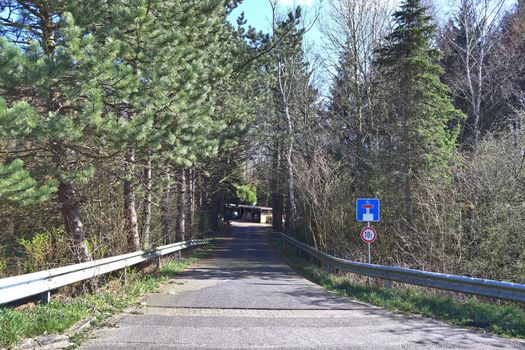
pixel 472 40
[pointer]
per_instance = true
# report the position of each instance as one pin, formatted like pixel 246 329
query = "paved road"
pixel 245 297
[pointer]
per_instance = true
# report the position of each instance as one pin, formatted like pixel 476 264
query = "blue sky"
pixel 258 12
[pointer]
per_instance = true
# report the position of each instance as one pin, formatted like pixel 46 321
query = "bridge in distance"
pixel 245 297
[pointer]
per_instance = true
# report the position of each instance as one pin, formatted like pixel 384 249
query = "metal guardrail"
pixel 469 285
pixel 43 282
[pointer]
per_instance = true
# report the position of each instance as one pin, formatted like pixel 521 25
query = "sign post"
pixel 367 210
pixel 368 235
pixel 368 243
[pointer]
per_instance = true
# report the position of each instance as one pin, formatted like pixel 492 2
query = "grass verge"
pixel 504 320
pixel 59 315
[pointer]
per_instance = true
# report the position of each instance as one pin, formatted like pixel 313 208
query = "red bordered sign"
pixel 368 235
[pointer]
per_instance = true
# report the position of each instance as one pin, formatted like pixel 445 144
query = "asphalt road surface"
pixel 245 297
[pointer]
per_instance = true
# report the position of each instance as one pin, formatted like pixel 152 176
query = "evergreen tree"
pixel 18 187
pixel 161 92
pixel 48 76
pixel 418 143
pixel 238 97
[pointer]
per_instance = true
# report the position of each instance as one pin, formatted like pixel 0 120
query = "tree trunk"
pixel 66 198
pixel 277 197
pixel 284 88
pixel 146 220
pixel 292 217
pixel 409 206
pixel 165 203
pixel 408 200
pixel 130 211
pixel 215 209
pixel 204 204
pixel 73 222
pixel 181 217
pixel 191 218
pixel 479 97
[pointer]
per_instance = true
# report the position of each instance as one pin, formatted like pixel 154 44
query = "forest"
pixel 127 124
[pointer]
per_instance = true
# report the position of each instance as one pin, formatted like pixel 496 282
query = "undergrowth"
pixel 504 320
pixel 59 315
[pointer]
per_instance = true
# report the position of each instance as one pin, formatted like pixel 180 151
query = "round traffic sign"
pixel 368 234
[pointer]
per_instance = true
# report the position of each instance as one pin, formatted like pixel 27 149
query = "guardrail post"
pixel 45 297
pixel 388 283
pixel 159 262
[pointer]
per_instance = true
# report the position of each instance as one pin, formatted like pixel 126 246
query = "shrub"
pixel 246 194
pixel 45 250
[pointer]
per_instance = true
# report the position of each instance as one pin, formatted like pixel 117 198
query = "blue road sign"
pixel 367 210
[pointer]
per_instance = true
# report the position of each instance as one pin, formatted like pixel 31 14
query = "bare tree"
pixel 289 61
pixel 354 30
pixel 472 42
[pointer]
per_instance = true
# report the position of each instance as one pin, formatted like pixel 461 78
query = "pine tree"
pixel 237 97
pixel 49 78
pixel 161 91
pixel 18 187
pixel 418 143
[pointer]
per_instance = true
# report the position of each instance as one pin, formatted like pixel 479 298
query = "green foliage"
pixel 84 82
pixel 43 319
pixel 52 111
pixel 176 64
pixel 420 105
pixel 246 194
pixel 45 250
pixel 17 185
